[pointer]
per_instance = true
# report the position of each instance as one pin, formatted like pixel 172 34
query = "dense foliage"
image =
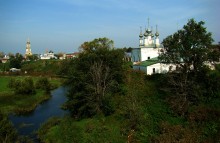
pixel 190 50
pixel 44 84
pixel 28 87
pixel 142 114
pixel 8 133
pixel 15 61
pixel 93 78
pixel 41 67
pixel 188 47
pixel 25 86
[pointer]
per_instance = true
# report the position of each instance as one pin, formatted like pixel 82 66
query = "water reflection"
pixel 28 123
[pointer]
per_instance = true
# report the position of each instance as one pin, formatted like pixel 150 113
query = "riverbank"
pixel 141 114
pixel 21 104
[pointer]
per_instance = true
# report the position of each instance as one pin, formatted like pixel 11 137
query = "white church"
pixel 145 57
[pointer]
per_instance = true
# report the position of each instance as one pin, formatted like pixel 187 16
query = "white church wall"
pixel 148 53
pixel 155 68
pixel 160 68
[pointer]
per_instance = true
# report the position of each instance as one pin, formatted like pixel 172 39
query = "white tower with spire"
pixel 28 48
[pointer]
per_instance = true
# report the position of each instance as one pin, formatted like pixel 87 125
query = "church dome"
pixel 141 35
pixel 157 34
pixel 152 35
pixel 146 33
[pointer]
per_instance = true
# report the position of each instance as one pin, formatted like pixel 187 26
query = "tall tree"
pixel 188 48
pixel 15 61
pixel 97 44
pixel 92 77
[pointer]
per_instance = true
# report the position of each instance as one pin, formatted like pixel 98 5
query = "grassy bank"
pixel 11 103
pixel 142 114
pixel 137 118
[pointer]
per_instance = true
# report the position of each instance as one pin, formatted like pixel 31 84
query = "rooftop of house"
pixel 149 62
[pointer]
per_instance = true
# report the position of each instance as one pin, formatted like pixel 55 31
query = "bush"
pixel 176 133
pixel 60 130
pixel 7 131
pixel 25 86
pixel 45 127
pixel 44 84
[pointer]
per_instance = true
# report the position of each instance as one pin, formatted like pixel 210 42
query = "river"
pixel 27 124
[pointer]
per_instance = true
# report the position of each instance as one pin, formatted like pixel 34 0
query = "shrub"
pixel 25 86
pixel 44 84
pixel 7 131
pixel 176 133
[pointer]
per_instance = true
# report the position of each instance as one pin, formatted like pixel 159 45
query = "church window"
pixel 154 71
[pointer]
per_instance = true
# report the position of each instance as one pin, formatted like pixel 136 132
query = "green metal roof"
pixel 149 62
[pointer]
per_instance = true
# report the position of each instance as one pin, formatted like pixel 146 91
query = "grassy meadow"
pixel 12 103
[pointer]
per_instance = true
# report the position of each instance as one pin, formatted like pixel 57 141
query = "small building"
pixel 48 55
pixel 5 59
pixel 71 55
pixel 153 66
pixel 14 70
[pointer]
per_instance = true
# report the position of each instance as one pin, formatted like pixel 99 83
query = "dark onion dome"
pixel 152 35
pixel 148 31
pixel 157 34
pixel 145 33
pixel 141 35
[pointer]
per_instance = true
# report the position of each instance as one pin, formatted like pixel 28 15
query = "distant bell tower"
pixel 28 48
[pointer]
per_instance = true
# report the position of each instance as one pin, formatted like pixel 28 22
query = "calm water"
pixel 27 124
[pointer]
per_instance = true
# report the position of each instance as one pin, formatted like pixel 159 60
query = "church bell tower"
pixel 28 49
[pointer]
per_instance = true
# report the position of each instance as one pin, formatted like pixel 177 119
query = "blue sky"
pixel 63 25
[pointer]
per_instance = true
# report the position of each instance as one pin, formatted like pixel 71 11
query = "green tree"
pixel 25 86
pixel 33 57
pixel 44 84
pixel 15 61
pixel 214 55
pixel 188 48
pixel 97 44
pixel 92 78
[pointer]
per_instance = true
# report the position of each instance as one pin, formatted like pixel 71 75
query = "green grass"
pixel 94 130
pixel 21 103
pixel 3 84
pixel 11 103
